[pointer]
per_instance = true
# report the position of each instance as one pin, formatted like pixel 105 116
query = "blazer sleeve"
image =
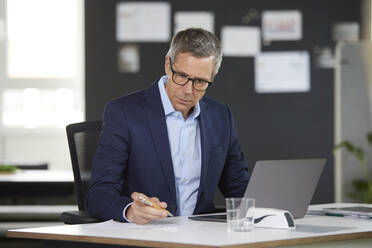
pixel 103 196
pixel 235 176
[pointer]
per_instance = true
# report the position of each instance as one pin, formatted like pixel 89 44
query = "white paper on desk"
pixel 282 25
pixel 143 21
pixel 193 19
pixel 282 72
pixel 111 224
pixel 240 41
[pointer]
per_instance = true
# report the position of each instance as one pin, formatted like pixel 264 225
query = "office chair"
pixel 82 141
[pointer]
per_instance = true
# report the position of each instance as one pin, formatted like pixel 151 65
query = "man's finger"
pixel 136 197
pixel 149 213
pixel 142 214
pixel 157 213
pixel 158 202
pixel 144 208
pixel 163 205
pixel 155 200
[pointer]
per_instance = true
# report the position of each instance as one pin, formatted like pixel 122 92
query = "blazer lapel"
pixel 156 120
pixel 205 146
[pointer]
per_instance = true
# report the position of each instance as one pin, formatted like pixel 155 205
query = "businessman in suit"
pixel 168 143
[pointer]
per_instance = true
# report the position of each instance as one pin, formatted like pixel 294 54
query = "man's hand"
pixel 140 213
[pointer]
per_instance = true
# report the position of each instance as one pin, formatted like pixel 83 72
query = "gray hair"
pixel 200 43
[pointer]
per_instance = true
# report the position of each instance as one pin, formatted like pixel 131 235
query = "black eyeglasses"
pixel 182 79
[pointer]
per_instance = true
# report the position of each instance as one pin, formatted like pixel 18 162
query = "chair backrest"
pixel 82 141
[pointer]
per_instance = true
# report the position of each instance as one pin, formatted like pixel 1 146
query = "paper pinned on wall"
pixel 345 31
pixel 129 58
pixel 2 30
pixel 240 41
pixel 143 21
pixel 194 19
pixel 324 57
pixel 279 72
pixel 281 25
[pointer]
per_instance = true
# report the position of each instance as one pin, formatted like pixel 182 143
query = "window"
pixel 32 108
pixel 42 38
pixel 41 75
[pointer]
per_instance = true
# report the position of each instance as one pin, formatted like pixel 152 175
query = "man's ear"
pixel 166 65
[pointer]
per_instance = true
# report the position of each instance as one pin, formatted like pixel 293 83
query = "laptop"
pixel 282 184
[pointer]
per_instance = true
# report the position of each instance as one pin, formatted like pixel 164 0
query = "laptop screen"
pixel 285 184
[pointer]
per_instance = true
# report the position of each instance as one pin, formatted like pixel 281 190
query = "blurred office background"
pixel 62 60
pixel 42 78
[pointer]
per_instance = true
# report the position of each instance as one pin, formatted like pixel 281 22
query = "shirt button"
pixel 184 180
pixel 183 206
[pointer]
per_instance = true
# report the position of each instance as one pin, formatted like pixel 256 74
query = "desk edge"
pixel 123 241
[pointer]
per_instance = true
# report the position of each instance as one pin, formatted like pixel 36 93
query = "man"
pixel 168 142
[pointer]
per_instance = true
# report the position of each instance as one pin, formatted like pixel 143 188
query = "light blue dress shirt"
pixel 184 141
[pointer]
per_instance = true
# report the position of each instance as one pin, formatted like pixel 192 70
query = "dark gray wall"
pixel 270 126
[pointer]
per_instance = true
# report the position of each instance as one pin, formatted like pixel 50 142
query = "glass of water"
pixel 239 214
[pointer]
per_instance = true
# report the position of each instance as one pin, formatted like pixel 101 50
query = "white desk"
pixel 187 233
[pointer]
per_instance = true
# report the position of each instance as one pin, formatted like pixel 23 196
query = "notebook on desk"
pixel 282 184
pixel 355 211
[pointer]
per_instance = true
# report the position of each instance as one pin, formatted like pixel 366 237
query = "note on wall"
pixel 129 58
pixel 282 72
pixel 345 31
pixel 324 57
pixel 240 41
pixel 143 21
pixel 282 25
pixel 193 19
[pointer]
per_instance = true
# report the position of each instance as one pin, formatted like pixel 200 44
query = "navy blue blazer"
pixel 134 155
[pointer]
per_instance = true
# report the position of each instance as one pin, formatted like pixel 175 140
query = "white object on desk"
pixel 273 218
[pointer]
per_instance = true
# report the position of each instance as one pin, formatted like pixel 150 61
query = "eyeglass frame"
pixel 188 78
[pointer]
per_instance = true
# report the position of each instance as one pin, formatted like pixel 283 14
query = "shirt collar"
pixel 167 105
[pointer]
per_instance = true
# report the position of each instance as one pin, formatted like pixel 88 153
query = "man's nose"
pixel 188 87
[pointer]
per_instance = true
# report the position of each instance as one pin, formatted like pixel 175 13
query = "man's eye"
pixel 200 81
pixel 182 76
